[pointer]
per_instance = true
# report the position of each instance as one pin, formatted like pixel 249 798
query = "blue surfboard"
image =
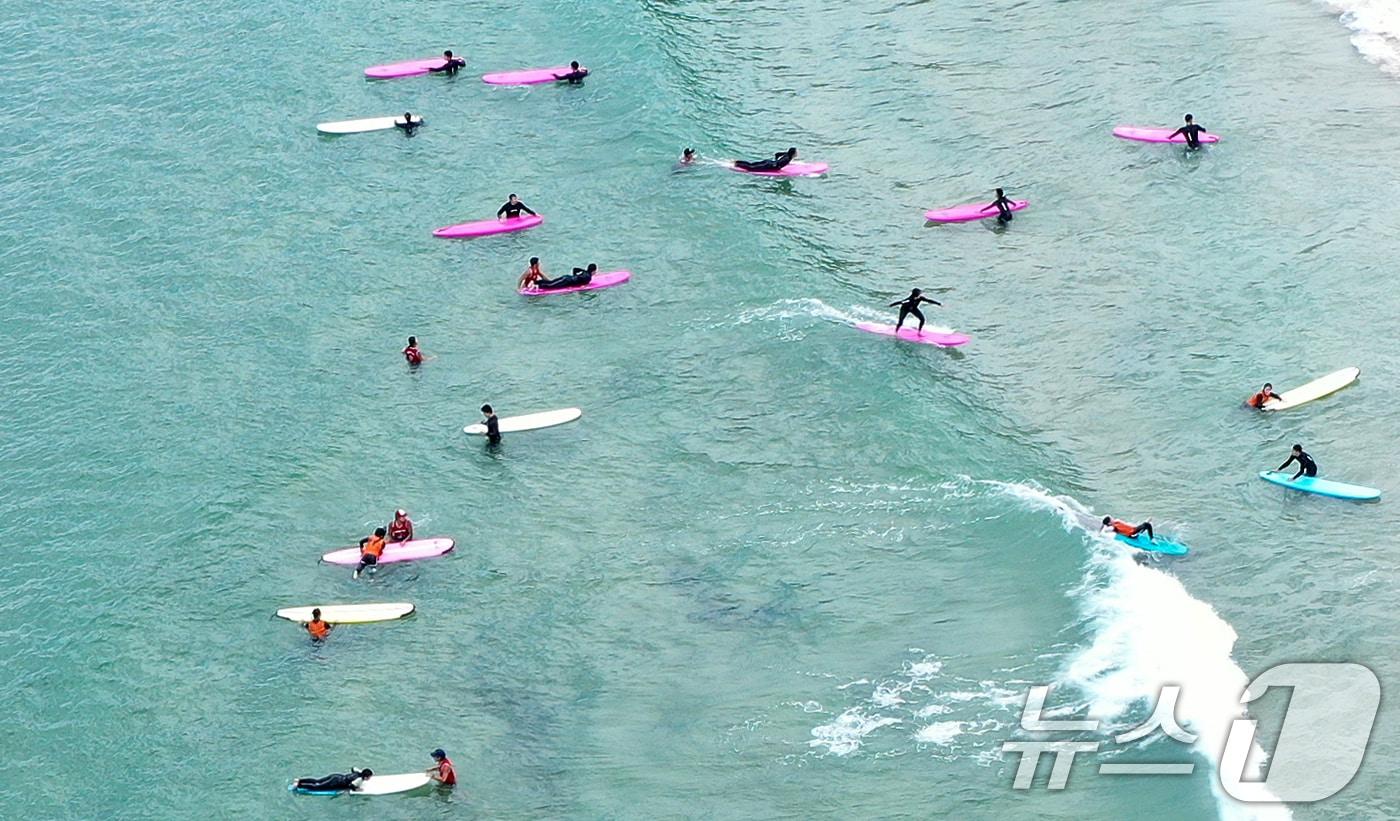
pixel 1322 487
pixel 1163 546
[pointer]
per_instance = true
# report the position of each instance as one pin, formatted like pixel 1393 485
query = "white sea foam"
pixel 815 308
pixel 941 732
pixel 1375 26
pixel 845 734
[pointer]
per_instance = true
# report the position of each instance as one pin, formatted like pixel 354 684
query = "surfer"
pixel 493 425
pixel 580 276
pixel 1122 528
pixel 1306 465
pixel 450 64
pixel 909 306
pixel 1003 206
pixel 532 275
pixel 574 76
pixel 778 163
pixel 408 123
pixel 688 157
pixel 335 782
pixel 412 353
pixel 442 772
pixel 1265 394
pixel 1191 132
pixel 513 207
pixel 401 528
pixel 371 547
pixel 318 629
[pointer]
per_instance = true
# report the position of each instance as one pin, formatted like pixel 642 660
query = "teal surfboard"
pixel 1164 546
pixel 1322 487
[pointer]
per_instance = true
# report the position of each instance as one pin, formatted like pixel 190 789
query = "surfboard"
pixel 1158 135
pixel 349 613
pixel 603 280
pixel 393 552
pixel 792 169
pixel 526 77
pixel 943 338
pixel 485 228
pixel 361 126
pixel 407 68
pixel 376 785
pixel 970 212
pixel 1141 542
pixel 529 421
pixel 1316 389
pixel 1322 487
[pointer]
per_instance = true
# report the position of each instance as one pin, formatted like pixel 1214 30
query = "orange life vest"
pixel 374 547
pixel 318 629
pixel 1123 527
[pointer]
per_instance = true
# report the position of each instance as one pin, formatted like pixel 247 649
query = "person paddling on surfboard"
pixel 1306 465
pixel 778 163
pixel 1122 528
pixel 450 64
pixel 909 306
pixel 532 275
pixel 512 208
pixel 493 425
pixel 1191 132
pixel 401 528
pixel 442 772
pixel 371 548
pixel 1003 206
pixel 580 276
pixel 335 782
pixel 1265 394
pixel 408 123
pixel 574 76
pixel 318 629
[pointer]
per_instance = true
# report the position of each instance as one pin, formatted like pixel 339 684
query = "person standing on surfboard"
pixel 1003 206
pixel 574 76
pixel 401 528
pixel 1122 528
pixel 1306 465
pixel 532 275
pixel 450 64
pixel 1191 132
pixel 442 772
pixel 318 629
pixel 513 207
pixel 778 163
pixel 493 425
pixel 1265 394
pixel 909 306
pixel 371 548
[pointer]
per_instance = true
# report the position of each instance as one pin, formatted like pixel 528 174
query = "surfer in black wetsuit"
pixel 335 782
pixel 513 207
pixel 580 276
pixel 574 76
pixel 493 425
pixel 1003 206
pixel 1191 132
pixel 688 156
pixel 910 307
pixel 778 163
pixel 1306 465
pixel 408 123
pixel 450 64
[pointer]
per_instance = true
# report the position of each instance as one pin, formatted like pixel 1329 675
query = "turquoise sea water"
pixel 779 568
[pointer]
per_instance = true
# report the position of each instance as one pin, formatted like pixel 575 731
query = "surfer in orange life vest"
pixel 318 629
pixel 1122 528
pixel 909 306
pixel 512 208
pixel 1265 394
pixel 1306 465
pixel 575 74
pixel 778 163
pixel 442 772
pixel 493 425
pixel 401 528
pixel 450 64
pixel 1191 132
pixel 532 274
pixel 371 548
pixel 1003 206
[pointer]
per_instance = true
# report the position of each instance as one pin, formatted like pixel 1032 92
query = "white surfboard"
pixel 349 613
pixel 389 784
pixel 368 124
pixel 530 421
pixel 1316 389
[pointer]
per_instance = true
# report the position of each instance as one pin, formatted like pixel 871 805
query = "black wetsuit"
pixel 493 429
pixel 573 78
pixel 449 67
pixel 778 163
pixel 1003 205
pixel 332 782
pixel 910 307
pixel 578 277
pixel 512 210
pixel 1306 465
pixel 408 125
pixel 1192 133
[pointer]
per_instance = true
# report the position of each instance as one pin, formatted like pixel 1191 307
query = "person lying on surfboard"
pixel 1124 529
pixel 1191 132
pixel 450 64
pixel 408 124
pixel 335 782
pixel 778 163
pixel 580 276
pixel 318 629
pixel 401 528
pixel 371 548
pixel 1003 206
pixel 513 207
pixel 493 425
pixel 532 274
pixel 909 306
pixel 1305 463
pixel 1265 394
pixel 574 76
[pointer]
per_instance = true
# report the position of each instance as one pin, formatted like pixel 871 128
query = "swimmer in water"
pixel 450 64
pixel 512 208
pixel 492 423
pixel 408 124
pixel 778 163
pixel 1264 395
pixel 688 156
pixel 1003 206
pixel 574 76
pixel 413 354
pixel 909 306
pixel 532 275
pixel 319 630
pixel 1306 465
pixel 1191 132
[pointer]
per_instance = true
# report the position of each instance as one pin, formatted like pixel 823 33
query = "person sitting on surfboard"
pixel 401 528
pixel 778 163
pixel 318 629
pixel 580 276
pixel 574 76
pixel 335 782
pixel 532 275
pixel 493 425
pixel 1003 206
pixel 450 64
pixel 512 208
pixel 909 306
pixel 1306 465
pixel 1191 132
pixel 1122 528
pixel 408 123
pixel 371 548
pixel 413 354
pixel 1265 394
pixel 442 772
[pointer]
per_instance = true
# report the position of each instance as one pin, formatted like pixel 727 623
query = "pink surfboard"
pixel 792 169
pixel 525 77
pixel 970 212
pixel 408 68
pixel 1157 135
pixel 943 339
pixel 485 228
pixel 394 552
pixel 603 280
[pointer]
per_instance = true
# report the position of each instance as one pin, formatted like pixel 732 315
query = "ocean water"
pixel 780 568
